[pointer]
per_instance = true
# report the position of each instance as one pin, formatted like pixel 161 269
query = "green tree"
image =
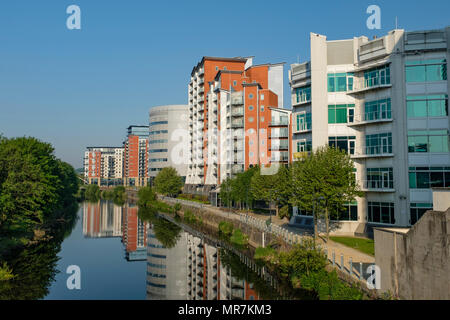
pixel 168 182
pixel 272 187
pixel 147 197
pixel 240 187
pixel 323 183
pixel 226 195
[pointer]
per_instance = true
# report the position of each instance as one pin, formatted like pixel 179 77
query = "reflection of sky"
pixel 105 273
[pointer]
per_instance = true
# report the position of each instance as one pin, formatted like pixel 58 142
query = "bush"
pixel 92 192
pixel 239 238
pixel 146 196
pixel 226 228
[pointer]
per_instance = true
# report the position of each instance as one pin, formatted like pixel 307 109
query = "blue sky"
pixel 75 88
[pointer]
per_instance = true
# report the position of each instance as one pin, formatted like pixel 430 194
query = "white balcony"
pixel 384 186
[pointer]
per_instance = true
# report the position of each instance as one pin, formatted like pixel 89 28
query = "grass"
pixel 361 244
pixel 184 197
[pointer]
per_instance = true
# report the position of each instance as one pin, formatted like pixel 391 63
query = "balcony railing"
pixel 380 151
pixel 237 100
pixel 279 147
pixel 279 123
pixel 237 124
pixel 237 112
pixel 370 117
pixel 378 185
pixel 360 85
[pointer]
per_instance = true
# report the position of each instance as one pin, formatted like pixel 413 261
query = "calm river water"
pixel 121 257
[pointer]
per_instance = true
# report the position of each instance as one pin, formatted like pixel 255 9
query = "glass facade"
pixel 339 113
pixel 377 110
pixel 429 177
pixel 380 178
pixel 428 141
pixel 154 123
pixel 303 94
pixel 378 143
pixel 381 212
pixel 303 121
pixel 304 145
pixel 377 76
pixel 343 143
pixel 158 132
pixel 426 70
pixel 340 82
pixel 427 106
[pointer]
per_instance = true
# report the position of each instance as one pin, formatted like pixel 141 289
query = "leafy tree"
pixel 166 232
pixel 324 182
pixel 168 182
pixel 92 192
pixel 240 187
pixel 226 195
pixel 272 188
pixel 146 196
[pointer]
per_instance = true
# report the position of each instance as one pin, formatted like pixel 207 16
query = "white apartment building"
pixel 168 139
pixel 387 106
pixel 103 165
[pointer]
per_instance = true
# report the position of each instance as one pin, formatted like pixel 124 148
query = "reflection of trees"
pixel 240 271
pixel 34 265
pixel 166 232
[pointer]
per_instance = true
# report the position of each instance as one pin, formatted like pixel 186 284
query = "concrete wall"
pixel 441 199
pixel 415 262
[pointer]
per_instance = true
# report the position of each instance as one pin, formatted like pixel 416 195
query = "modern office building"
pixel 235 120
pixel 135 169
pixel 168 143
pixel 103 165
pixel 387 106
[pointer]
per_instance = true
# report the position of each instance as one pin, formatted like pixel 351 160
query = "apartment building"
pixel 387 106
pixel 168 143
pixel 235 120
pixel 135 170
pixel 103 165
pixel 102 219
pixel 134 233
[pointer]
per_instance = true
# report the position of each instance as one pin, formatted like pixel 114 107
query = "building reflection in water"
pixel 104 219
pixel 191 270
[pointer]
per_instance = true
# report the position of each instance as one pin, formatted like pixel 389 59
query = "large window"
pixel 340 113
pixel 417 210
pixel 157 150
pixel 303 121
pixel 426 70
pixel 303 94
pixel 343 143
pixel 427 106
pixel 381 212
pixel 304 146
pixel 158 132
pixel 378 109
pixel 429 177
pixel 348 213
pixel 428 141
pixel 380 178
pixel 379 143
pixel 377 76
pixel 158 141
pixel 340 82
pixel 154 123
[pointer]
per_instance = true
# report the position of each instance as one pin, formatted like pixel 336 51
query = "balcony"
pixel 278 135
pixel 373 152
pixel 281 147
pixel 370 118
pixel 237 112
pixel 376 83
pixel 279 123
pixel 237 169
pixel 378 186
pixel 303 99
pixel 237 99
pixel 201 71
pixel 237 124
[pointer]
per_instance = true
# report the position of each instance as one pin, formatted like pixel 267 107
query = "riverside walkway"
pixel 346 259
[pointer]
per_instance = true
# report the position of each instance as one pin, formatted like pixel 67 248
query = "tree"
pixel 168 182
pixel 272 188
pixel 324 183
pixel 225 194
pixel 240 187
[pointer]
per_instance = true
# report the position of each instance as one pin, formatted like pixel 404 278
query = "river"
pixel 122 257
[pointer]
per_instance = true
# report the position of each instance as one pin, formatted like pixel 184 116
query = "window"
pixel 250 119
pixel 417 210
pixel 262 119
pixel 428 141
pixel 348 213
pixel 427 106
pixel 157 122
pixel 157 150
pixel 262 108
pixel 234 83
pixel 343 143
pixel 158 141
pixel 303 121
pixel 377 76
pixel 250 96
pixel 217 68
pixel 250 108
pixel 303 94
pixel 158 132
pixel 338 113
pixel 380 178
pixel 381 212
pixel 339 82
pixel 426 70
pixel 379 143
pixel 378 109
pixel 429 177
pixel 262 97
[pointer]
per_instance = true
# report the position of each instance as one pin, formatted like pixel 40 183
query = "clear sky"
pixel 77 88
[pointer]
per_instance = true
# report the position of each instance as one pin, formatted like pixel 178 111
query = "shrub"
pixel 226 228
